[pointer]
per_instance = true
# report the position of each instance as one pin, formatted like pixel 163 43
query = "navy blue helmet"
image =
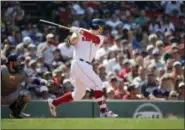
pixel 97 24
pixel 13 57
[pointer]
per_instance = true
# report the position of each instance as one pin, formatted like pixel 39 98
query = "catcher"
pixel 13 79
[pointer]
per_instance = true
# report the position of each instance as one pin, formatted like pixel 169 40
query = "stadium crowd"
pixel 141 58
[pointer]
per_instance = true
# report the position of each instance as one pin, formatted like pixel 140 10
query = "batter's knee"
pixel 78 94
pixel 99 87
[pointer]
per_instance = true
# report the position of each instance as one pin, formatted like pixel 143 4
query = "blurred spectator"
pixel 32 49
pixel 152 69
pixel 181 88
pixel 102 72
pixel 132 93
pixel 44 92
pixel 162 92
pixel 114 22
pixel 147 59
pixel 160 46
pixel 65 49
pixel 152 39
pixel 177 71
pixel 58 59
pixel 41 64
pixel 7 48
pixel 115 64
pixel 154 25
pixel 135 60
pixel 118 44
pixel 53 89
pixel 22 47
pixel 120 91
pixel 182 53
pixel 133 74
pixel 27 60
pixel 166 25
pixel 150 85
pixel 171 5
pixel 113 82
pixel 125 71
pixel 173 95
pixel 139 61
pixel 140 80
pixel 157 59
pixel 102 52
pixel 174 51
pixel 142 19
pixel 32 67
pixel 46 49
pixel 57 77
pixel 169 65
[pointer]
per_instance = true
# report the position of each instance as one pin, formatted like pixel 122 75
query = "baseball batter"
pixel 86 43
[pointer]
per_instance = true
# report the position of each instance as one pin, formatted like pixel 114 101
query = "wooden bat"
pixel 53 24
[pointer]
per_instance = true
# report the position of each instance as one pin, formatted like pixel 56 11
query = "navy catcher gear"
pixel 13 57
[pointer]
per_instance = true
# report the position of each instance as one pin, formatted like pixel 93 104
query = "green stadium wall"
pixel 125 109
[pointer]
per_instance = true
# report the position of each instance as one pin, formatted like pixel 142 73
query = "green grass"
pixel 92 123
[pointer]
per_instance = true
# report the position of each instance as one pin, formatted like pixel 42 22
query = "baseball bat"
pixel 53 24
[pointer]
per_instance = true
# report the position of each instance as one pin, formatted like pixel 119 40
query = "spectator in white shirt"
pixel 111 55
pixel 166 25
pixel 46 49
pixel 115 65
pixel 156 61
pixel 141 79
pixel 66 49
pixel 103 51
pixel 114 22
pixel 171 5
pixel 154 25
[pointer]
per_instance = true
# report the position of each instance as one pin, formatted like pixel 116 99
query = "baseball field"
pixel 91 123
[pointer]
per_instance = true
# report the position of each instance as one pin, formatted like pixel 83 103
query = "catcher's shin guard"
pixel 18 106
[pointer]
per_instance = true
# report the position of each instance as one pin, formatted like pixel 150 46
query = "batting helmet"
pixel 97 24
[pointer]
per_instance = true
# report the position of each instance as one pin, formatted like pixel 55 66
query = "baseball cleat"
pixel 21 115
pixel 52 108
pixel 15 116
pixel 108 114
pixel 26 115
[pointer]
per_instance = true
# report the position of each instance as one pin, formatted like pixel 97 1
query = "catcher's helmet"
pixel 97 24
pixel 13 57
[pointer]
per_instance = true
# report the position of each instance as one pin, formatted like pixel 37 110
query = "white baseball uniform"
pixel 82 74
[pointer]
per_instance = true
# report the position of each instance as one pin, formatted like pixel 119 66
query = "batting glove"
pixel 75 30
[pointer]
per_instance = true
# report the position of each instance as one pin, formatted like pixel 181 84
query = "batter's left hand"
pixel 75 29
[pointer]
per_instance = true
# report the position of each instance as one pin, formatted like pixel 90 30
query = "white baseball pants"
pixel 82 77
